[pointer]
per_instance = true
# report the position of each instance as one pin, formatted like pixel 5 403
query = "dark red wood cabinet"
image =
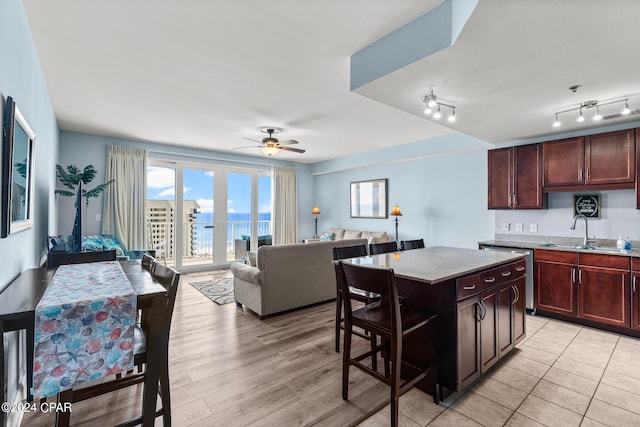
pixel 635 294
pixel 592 287
pixel 602 161
pixel 515 179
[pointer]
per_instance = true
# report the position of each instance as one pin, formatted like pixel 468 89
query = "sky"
pixel 198 186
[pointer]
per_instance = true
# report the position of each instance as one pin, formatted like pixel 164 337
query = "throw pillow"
pixel 350 234
pixel 252 259
pixel 90 245
pixel 110 242
pixel 327 236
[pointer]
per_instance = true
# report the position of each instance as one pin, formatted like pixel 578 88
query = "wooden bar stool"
pixel 392 322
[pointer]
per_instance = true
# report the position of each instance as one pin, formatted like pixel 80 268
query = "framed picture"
pixel 369 199
pixel 17 171
pixel 587 205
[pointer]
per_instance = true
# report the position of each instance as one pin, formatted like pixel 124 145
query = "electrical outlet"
pixel 533 228
pixel 519 226
pixel 506 226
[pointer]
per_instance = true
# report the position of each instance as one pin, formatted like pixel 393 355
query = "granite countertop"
pixel 436 264
pixel 567 244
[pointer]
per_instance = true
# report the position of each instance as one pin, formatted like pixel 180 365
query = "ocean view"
pixel 238 224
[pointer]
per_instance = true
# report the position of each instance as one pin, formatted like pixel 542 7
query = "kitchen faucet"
pixel 586 228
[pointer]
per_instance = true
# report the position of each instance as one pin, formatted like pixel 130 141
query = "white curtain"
pixel 125 201
pixel 285 206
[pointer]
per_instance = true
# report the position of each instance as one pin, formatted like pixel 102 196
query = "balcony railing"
pixel 197 244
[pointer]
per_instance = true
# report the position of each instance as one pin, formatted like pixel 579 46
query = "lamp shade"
pixel 396 211
pixel 315 211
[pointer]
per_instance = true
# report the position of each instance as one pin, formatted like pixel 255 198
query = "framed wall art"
pixel 17 171
pixel 369 199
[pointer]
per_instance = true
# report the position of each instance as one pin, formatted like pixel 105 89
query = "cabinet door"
pixel 520 310
pixel 527 181
pixel 489 353
pixel 635 300
pixel 500 178
pixel 554 287
pixel 610 158
pixel 604 295
pixel 468 345
pixel 563 162
pixel 506 299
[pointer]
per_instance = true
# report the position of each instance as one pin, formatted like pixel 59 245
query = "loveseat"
pixel 288 276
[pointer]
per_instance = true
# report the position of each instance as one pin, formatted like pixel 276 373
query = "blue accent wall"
pixel 440 185
pixel 21 78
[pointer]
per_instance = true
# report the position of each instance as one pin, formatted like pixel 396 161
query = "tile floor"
pixel 561 375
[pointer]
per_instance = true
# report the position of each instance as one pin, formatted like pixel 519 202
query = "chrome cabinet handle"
pixel 490 279
pixel 516 294
pixel 587 175
pixel 506 273
pixel 633 283
pixel 573 275
pixel 521 268
pixel 580 174
pixel 579 277
pixel 484 310
pixel 468 288
pixel 479 311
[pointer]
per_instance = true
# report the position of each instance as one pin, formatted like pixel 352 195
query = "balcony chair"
pixel 358 295
pixel 382 248
pixel 169 278
pixel 405 245
pixel 392 322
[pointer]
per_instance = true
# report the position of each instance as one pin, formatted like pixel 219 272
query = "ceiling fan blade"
pixel 288 142
pixel 248 146
pixel 296 150
pixel 254 140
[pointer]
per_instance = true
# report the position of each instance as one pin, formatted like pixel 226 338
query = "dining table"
pixel 19 301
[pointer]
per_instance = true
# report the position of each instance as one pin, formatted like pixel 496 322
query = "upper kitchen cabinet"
pixel 604 161
pixel 515 181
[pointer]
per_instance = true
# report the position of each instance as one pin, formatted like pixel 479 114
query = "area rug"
pixel 219 291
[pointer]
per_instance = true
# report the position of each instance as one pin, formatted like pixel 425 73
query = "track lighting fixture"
pixel 430 101
pixel 593 104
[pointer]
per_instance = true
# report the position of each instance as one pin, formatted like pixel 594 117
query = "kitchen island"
pixel 478 297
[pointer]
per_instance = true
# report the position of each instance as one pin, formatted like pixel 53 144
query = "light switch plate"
pixel 505 226
pixel 533 228
pixel 519 226
pixel 98 217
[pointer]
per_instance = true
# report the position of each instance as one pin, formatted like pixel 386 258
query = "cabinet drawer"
pixel 556 256
pixel 635 264
pixel 468 286
pixel 608 261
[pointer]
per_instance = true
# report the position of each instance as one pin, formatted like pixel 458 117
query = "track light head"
pixel 556 123
pixel 452 117
pixel 625 110
pixel 437 114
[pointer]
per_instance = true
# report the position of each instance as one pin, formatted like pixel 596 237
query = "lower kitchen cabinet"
pixel 490 319
pixel 595 288
pixel 554 278
pixel 635 294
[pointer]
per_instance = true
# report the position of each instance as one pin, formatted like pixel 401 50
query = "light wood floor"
pixel 229 368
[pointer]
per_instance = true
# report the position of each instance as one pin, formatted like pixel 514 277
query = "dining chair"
pixel 358 295
pixel 382 248
pixel 169 278
pixel 391 321
pixel 405 245
pixel 148 262
pixel 55 259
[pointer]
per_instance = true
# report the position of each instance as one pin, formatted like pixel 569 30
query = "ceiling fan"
pixel 271 145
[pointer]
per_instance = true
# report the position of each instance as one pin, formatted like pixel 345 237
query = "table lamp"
pixel 396 212
pixel 315 212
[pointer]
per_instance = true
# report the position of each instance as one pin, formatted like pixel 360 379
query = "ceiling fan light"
pixel 625 110
pixel 269 150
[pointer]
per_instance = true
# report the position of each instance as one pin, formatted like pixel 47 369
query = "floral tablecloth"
pixel 84 327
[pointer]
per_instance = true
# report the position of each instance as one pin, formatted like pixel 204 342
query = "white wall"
pixel 619 216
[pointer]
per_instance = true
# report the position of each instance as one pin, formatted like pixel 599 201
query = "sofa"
pixel 243 246
pixel 334 233
pixel 287 277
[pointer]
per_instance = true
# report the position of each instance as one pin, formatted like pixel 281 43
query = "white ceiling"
pixel 208 73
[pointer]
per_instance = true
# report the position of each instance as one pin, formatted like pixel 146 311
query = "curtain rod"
pixel 193 156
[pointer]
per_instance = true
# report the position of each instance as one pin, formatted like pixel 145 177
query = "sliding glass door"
pixel 207 215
